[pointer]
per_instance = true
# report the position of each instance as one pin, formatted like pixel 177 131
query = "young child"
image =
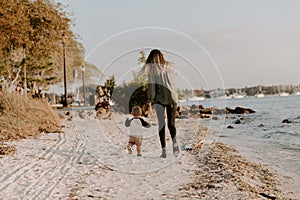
pixel 136 124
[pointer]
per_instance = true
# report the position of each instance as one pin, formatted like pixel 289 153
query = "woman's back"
pixel 161 86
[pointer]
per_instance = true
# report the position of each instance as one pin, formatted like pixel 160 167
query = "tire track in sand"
pixel 53 176
pixel 58 174
pixel 19 172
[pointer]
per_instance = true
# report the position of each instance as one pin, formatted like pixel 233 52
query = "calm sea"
pixel 262 137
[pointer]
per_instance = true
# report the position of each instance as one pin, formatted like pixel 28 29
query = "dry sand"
pixel 89 161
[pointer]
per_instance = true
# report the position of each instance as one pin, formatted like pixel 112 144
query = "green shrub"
pixel 128 95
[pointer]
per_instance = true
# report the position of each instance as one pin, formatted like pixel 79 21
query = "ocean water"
pixel 261 136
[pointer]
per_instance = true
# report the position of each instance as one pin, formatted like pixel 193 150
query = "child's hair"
pixel 136 111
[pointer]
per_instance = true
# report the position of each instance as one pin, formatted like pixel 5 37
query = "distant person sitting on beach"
pixel 18 89
pixel 136 124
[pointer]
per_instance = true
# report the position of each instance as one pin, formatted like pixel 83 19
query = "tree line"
pixel 249 91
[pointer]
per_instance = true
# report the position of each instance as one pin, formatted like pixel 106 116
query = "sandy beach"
pixel 89 160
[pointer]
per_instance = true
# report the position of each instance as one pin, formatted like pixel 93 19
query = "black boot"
pixel 163 152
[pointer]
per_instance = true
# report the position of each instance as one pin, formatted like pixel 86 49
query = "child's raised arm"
pixel 127 122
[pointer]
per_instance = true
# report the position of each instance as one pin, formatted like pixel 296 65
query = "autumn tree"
pixel 31 42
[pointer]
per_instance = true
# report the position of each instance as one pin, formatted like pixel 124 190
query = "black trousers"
pixel 160 112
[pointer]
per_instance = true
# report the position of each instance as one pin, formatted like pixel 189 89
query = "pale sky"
pixel 232 42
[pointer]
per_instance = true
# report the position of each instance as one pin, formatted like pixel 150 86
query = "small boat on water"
pixel 191 100
pixel 225 97
pixel 260 94
pixel 238 96
pixel 195 98
pixel 297 93
pixel 283 94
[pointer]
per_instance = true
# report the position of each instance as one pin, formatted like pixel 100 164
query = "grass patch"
pixel 21 117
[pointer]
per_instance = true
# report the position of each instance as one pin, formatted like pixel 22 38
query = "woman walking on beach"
pixel 162 93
